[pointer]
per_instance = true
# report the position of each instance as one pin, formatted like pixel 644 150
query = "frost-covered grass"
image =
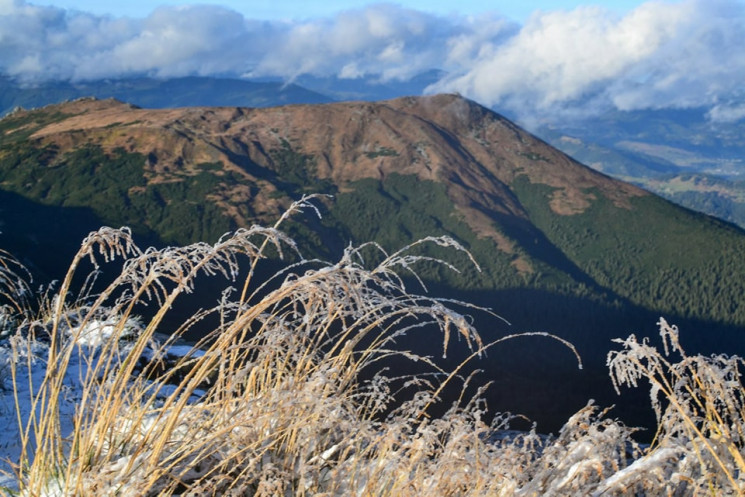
pixel 289 396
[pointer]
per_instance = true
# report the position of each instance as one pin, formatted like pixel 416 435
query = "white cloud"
pixel 382 39
pixel 661 54
pixel 174 41
pixel 727 112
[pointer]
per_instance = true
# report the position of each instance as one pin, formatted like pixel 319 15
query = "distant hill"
pixel 159 93
pixel 562 248
pixel 654 141
pixel 661 150
pixel 714 195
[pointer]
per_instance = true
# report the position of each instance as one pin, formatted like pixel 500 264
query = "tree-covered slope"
pixel 561 248
pixel 398 170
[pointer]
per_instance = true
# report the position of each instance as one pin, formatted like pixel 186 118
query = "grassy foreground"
pixel 289 396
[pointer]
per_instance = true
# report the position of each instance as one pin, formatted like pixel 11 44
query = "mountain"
pixel 655 149
pixel 656 141
pixel 562 248
pixel 680 154
pixel 160 93
pixel 213 91
pixel 720 197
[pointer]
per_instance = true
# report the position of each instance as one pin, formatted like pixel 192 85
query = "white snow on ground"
pixel 10 447
pixel 36 354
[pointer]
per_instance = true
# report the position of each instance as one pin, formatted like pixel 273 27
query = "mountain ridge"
pixel 359 140
pixel 205 170
pixel 562 248
pixel 649 148
pixel 158 93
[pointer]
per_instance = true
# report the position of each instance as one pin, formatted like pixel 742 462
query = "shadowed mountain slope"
pixel 562 248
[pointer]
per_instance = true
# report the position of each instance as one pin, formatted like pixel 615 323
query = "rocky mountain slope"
pixel 562 248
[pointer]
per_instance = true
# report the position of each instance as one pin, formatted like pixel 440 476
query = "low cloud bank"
pixel 662 54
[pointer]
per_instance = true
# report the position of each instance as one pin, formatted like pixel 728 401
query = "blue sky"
pixel 300 9
pixel 554 58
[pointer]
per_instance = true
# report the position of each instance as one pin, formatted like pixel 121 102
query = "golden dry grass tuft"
pixel 288 395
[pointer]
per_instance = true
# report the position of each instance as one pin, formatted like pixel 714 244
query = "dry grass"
pixel 700 407
pixel 15 289
pixel 288 395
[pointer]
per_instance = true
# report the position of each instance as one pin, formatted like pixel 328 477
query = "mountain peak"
pixel 556 241
pixel 476 153
pixel 443 107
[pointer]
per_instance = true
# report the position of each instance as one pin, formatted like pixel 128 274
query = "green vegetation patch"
pixel 381 152
pixel 298 171
pixel 83 177
pixel 20 126
pixel 402 208
pixel 179 211
pixel 211 166
pixel 656 254
pixel 114 187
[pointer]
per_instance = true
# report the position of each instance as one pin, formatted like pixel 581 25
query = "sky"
pixel 558 57
pixel 303 9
